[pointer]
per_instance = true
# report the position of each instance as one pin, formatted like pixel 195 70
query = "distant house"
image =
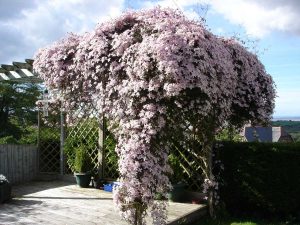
pixel 266 134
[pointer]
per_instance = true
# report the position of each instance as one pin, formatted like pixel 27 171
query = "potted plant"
pixel 5 189
pixel 178 185
pixel 82 166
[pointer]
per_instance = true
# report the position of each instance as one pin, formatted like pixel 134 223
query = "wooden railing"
pixel 19 163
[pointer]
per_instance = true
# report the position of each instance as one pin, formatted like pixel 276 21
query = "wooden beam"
pixel 22 65
pixel 3 76
pixel 8 67
pixel 20 72
pixel 29 61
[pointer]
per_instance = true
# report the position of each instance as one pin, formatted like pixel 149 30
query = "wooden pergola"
pixel 22 72
pixel 19 72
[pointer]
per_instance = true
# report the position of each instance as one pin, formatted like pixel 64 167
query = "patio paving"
pixel 60 202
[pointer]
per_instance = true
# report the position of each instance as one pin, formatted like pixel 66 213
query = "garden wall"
pixel 18 162
pixel 261 178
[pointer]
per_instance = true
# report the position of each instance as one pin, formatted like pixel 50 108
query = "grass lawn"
pixel 234 221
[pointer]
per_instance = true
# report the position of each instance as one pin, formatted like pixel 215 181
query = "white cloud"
pixel 259 18
pixel 46 21
pixel 37 23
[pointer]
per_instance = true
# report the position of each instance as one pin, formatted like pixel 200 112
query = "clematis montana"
pixel 152 72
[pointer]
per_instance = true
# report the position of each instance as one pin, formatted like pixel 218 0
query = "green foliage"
pixel 82 163
pixel 261 178
pixel 229 134
pixel 291 127
pixel 70 146
pixel 75 141
pixel 18 112
pixel 17 107
pixel 178 174
pixel 8 140
pixel 30 137
pixel 112 158
pixel 240 221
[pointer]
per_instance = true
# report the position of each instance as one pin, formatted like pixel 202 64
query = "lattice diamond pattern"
pixel 49 145
pixel 111 157
pixel 188 149
pixel 87 129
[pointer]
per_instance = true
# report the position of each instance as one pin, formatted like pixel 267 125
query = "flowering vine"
pixel 153 72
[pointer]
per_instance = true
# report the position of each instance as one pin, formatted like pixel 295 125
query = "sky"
pixel 270 28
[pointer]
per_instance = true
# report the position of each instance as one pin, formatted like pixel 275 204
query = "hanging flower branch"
pixel 143 70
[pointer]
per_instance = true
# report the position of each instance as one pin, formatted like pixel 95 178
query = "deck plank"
pixel 60 203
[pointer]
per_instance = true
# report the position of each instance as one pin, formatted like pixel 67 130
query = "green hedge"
pixel 261 178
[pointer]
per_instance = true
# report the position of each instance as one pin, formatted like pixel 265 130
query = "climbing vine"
pixel 153 73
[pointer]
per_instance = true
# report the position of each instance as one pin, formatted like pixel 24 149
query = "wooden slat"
pixel 18 162
pixel 63 203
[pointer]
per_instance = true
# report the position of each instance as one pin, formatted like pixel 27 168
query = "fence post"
pixel 62 141
pixel 101 152
pixel 38 142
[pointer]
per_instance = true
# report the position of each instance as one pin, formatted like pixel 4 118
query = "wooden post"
pixel 62 141
pixel 38 142
pixel 101 152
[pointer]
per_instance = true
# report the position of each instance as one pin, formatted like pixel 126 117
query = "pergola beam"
pixel 19 72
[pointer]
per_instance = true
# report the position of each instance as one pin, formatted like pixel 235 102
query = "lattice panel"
pixel 49 144
pixel 186 147
pixel 86 130
pixel 111 157
pixel 190 163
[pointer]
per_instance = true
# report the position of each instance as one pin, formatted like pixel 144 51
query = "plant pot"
pixel 83 179
pixel 98 183
pixel 5 192
pixel 177 193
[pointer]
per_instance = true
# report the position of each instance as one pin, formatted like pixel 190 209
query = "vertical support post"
pixel 38 142
pixel 62 141
pixel 101 152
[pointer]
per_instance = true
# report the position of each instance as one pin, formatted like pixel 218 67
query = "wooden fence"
pixel 18 162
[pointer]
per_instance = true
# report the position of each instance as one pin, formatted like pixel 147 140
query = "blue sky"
pixel 273 25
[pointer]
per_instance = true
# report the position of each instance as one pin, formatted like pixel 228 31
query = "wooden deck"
pixel 60 202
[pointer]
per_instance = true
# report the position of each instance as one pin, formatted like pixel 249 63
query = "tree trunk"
pixel 138 220
pixel 209 175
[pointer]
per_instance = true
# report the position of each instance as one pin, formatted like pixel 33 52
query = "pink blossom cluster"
pixel 142 69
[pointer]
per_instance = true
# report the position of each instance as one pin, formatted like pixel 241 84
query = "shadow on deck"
pixel 60 202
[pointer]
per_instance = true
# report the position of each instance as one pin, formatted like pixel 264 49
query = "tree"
pixel 157 75
pixel 17 107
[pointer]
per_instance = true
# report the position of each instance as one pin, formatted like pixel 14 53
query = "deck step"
pixel 190 217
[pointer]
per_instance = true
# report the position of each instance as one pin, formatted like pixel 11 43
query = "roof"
pixel 266 134
pixel 20 72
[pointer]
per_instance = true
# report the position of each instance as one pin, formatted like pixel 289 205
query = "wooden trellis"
pixel 49 144
pixel 88 127
pixel 191 166
pixel 51 138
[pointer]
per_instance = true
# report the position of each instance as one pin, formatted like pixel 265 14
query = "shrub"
pixel 82 163
pixel 261 178
pixel 8 140
pixel 177 175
